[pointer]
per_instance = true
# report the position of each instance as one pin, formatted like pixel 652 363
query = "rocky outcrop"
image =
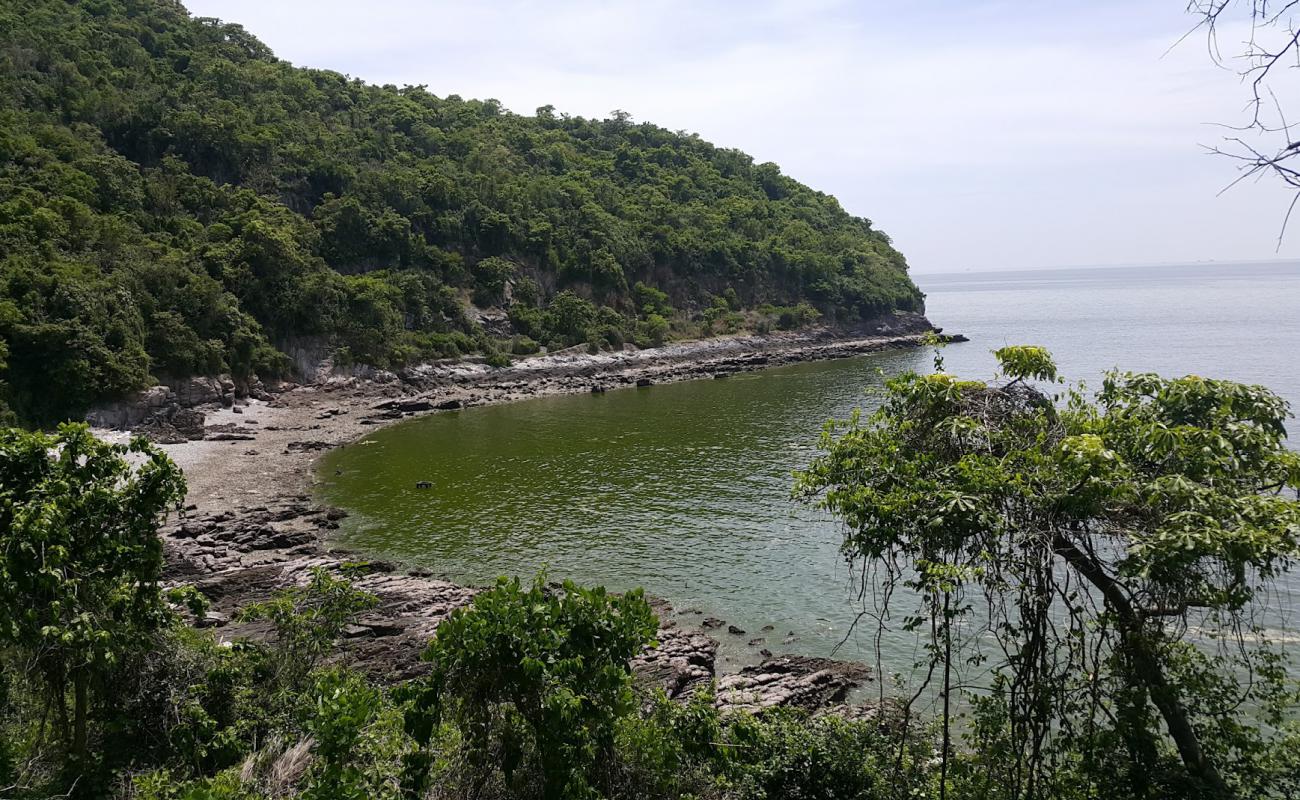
pixel 167 413
pixel 797 681
pixel 134 410
pixel 199 391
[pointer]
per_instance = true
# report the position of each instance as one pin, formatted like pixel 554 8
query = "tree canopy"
pixel 176 200
pixel 1112 549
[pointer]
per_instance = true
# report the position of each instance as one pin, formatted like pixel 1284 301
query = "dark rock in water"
pixel 717 376
pixel 424 484
pixel 735 631
pixel 712 622
pixel 765 653
pixel 643 382
pixel 757 641
pixel 598 390
pixel 449 405
pixel 769 627
pixel 413 405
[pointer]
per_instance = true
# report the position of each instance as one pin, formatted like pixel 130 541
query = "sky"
pixel 978 134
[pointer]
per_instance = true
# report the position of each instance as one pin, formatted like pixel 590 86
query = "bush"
pixel 523 346
pixel 535 681
pixel 652 331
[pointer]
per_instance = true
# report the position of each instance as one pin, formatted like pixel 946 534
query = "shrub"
pixel 652 331
pixel 535 680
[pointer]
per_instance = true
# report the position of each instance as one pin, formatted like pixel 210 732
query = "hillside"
pixel 175 200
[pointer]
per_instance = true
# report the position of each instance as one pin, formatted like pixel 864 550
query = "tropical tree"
pixel 1112 548
pixel 80 559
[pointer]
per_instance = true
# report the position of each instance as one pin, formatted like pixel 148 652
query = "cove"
pixel 683 489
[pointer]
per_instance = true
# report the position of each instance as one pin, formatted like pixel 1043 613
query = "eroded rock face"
pixel 192 392
pixel 133 410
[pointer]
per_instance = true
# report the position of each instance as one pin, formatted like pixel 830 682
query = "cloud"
pixel 993 134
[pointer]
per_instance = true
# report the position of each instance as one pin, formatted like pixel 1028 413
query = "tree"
pixel 539 677
pixel 1094 534
pixel 1272 45
pixel 80 558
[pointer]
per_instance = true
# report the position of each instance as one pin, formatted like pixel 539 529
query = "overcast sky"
pixel 979 135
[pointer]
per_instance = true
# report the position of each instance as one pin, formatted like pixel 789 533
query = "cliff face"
pixel 175 201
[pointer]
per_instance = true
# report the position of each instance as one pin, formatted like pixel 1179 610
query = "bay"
pixel 684 489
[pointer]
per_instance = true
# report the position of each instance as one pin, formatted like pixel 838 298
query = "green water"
pixel 683 489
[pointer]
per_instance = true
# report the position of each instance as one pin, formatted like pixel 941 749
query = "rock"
pixel 795 681
pixel 188 422
pixel 735 631
pixel 132 411
pixel 712 622
pixel 212 619
pixel 683 662
pixel 757 641
pixel 411 406
pixel 449 405
pixel 644 382
pixel 201 391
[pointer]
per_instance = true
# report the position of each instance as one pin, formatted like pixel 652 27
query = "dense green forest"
pixel 176 200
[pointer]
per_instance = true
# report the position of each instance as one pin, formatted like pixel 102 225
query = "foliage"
pixel 308 620
pixel 174 200
pixel 536 680
pixel 81 559
pixel 1026 362
pixel 1096 533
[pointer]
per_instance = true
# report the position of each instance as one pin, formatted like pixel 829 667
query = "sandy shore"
pixel 251 525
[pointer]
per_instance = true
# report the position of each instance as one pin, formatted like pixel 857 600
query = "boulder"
pixel 188 423
pixel 132 411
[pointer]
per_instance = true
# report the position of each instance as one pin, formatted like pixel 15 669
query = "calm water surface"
pixel 684 489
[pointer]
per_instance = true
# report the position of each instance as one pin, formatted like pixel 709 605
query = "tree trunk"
pixel 79 717
pixel 1146 665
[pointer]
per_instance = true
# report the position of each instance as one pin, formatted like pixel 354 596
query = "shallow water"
pixel 685 488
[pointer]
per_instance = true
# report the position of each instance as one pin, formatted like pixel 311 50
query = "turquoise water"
pixel 684 489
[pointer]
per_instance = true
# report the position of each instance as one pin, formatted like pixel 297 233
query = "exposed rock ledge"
pixel 251 526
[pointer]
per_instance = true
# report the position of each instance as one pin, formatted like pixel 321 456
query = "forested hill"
pixel 175 200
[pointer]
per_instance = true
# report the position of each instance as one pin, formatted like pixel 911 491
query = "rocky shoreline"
pixel 251 525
